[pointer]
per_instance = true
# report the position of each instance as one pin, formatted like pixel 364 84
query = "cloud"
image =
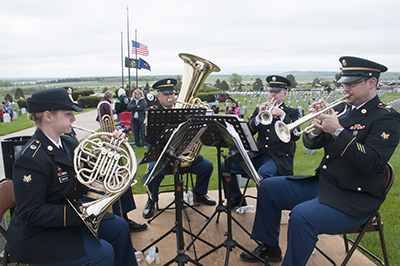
pixel 83 38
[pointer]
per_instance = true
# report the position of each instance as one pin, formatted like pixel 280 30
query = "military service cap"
pixel 354 68
pixel 166 86
pixel 277 83
pixel 51 99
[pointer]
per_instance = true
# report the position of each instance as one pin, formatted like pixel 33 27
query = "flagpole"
pixel 137 87
pixel 129 54
pixel 122 58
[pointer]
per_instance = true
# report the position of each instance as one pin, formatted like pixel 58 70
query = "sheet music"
pixel 249 136
pixel 246 164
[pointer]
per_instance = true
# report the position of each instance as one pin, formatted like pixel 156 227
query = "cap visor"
pixel 166 92
pixel 344 79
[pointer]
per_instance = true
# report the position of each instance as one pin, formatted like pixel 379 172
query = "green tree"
pixel 217 83
pixel 19 93
pixel 147 86
pixel 258 85
pixel 337 77
pixel 315 82
pixel 224 86
pixel 292 79
pixel 179 83
pixel 235 79
pixel 9 97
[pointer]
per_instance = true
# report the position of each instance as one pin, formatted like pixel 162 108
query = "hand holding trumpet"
pixel 327 121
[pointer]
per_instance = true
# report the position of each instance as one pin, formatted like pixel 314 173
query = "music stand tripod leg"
pixel 229 243
pixel 220 207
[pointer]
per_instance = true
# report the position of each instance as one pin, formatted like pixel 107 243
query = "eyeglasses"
pixel 354 83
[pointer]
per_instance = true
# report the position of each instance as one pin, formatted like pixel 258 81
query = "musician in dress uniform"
pixel 201 167
pixel 348 185
pixel 273 157
pixel 44 228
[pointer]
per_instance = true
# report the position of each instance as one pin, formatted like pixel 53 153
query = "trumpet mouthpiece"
pixel 170 100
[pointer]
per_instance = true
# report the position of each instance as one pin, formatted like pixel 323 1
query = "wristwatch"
pixel 337 132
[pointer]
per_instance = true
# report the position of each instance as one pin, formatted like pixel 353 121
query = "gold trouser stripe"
pixel 65 215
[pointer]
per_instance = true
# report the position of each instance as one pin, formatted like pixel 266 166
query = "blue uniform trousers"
pixel 308 217
pixel 125 203
pixel 201 168
pixel 264 164
pixel 115 248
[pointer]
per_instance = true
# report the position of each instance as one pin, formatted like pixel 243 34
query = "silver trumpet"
pixel 283 131
pixel 266 116
pixel 106 167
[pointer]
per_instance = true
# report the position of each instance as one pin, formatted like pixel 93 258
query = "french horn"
pixel 108 167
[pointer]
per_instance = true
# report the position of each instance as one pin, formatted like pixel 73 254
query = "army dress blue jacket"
pixel 44 227
pixel 268 141
pixel 352 171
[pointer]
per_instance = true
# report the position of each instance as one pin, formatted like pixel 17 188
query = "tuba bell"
pixel 105 167
pixel 195 73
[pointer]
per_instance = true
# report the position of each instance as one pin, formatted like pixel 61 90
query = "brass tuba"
pixel 106 121
pixel 106 167
pixel 195 73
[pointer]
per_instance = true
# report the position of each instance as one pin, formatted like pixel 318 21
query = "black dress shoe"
pixel 148 210
pixel 135 227
pixel 204 199
pixel 264 253
pixel 236 202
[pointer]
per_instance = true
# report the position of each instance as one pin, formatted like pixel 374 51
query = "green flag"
pixel 132 63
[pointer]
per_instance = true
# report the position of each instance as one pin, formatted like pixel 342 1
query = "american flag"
pixel 139 48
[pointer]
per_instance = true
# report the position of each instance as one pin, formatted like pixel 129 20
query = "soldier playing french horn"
pixel 45 228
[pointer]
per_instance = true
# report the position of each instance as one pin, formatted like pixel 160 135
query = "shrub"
pixel 22 103
pixel 89 101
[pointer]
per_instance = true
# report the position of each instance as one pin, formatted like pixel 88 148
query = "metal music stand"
pixel 222 132
pixel 180 139
pixel 186 135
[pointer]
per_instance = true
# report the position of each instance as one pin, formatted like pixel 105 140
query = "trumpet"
pixel 283 131
pixel 107 167
pixel 266 116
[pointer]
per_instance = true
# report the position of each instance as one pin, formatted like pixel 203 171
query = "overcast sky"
pixel 82 38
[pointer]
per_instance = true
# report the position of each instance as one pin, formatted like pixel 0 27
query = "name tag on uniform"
pixel 63 177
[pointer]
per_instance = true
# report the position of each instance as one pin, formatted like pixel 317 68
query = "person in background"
pixel 10 111
pixel 121 104
pixel 349 184
pixel 273 157
pixel 137 106
pixel 44 228
pixel 105 109
pixel 234 109
pixel 201 167
pixel 1 115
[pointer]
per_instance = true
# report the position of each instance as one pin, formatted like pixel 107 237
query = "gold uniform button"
pixel 359 188
pixel 266 146
pixel 268 130
pixel 324 167
pixel 287 155
pixel 75 188
pixel 267 138
pixel 327 157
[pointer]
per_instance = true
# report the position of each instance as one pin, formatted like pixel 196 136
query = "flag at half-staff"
pixel 139 48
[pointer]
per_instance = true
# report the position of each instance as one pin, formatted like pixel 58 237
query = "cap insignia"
pixel 168 82
pixel 50 148
pixel 385 136
pixel 364 111
pixel 273 78
pixel 344 63
pixel 27 178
